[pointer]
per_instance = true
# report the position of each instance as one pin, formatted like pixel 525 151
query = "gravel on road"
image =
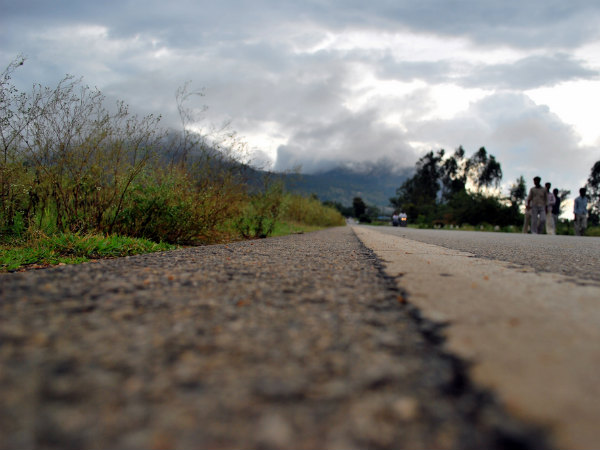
pixel 293 342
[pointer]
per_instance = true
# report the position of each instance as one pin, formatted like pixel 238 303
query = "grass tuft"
pixel 44 251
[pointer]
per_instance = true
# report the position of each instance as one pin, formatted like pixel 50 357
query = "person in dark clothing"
pixel 580 211
pixel 556 207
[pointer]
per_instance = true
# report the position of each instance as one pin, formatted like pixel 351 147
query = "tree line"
pixel 456 189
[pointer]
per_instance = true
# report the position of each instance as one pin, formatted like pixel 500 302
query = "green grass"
pixel 285 228
pixel 46 251
pixel 593 231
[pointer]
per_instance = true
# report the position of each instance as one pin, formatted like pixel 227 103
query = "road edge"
pixel 522 354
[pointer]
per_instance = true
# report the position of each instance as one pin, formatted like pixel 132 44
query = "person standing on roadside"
pixel 580 211
pixel 537 201
pixel 550 224
pixel 555 208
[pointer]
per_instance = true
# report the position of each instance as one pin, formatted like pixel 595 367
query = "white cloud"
pixel 577 104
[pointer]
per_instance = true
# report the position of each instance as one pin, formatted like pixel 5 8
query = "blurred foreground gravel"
pixel 294 342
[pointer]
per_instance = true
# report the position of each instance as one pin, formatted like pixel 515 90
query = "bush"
pixel 261 212
pixel 170 207
pixel 310 211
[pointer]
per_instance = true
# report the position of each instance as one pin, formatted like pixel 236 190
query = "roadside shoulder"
pixel 530 336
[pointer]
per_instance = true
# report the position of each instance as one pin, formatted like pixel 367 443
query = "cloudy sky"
pixel 313 83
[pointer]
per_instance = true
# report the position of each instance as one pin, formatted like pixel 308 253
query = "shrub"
pixel 261 212
pixel 310 211
pixel 170 207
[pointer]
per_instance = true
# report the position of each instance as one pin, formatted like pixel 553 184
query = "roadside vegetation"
pixel 81 180
pixel 42 251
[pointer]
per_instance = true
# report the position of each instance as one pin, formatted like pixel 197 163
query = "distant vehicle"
pixel 403 219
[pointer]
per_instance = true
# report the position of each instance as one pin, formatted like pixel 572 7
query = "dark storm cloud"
pixel 527 24
pixel 530 73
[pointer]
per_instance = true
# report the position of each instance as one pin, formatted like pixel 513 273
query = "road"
pixel 578 257
pixel 298 342
pixel 523 310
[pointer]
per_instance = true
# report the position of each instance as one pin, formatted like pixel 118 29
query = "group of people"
pixel 543 207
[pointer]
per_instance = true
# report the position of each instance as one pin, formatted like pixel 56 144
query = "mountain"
pixel 375 184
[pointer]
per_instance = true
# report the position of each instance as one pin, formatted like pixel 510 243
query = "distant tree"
pixel 593 192
pixel 437 191
pixel 373 212
pixel 483 169
pixel 477 208
pixel 429 174
pixel 346 211
pixel 453 174
pixel 418 194
pixel 518 192
pixel 359 207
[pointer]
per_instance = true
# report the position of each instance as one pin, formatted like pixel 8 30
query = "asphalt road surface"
pixel 569 255
pixel 523 310
pixel 299 342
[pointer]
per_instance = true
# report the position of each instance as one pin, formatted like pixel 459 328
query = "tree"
pixel 454 178
pixel 439 185
pixel 418 195
pixel 484 170
pixel 359 207
pixel 593 192
pixel 518 192
pixel 346 211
